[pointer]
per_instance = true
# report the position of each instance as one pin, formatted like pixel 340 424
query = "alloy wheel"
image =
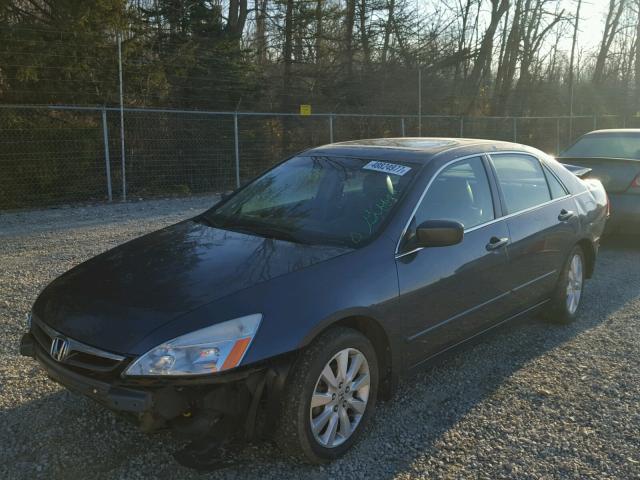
pixel 340 398
pixel 574 284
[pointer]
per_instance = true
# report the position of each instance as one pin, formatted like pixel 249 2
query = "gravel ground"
pixel 532 400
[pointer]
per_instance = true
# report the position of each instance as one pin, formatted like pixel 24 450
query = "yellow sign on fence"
pixel 305 110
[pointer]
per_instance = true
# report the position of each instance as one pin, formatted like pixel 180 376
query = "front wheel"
pixel 330 396
pixel 567 297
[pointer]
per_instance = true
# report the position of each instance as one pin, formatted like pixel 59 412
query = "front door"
pixel 449 293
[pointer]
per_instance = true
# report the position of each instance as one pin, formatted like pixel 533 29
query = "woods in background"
pixel 477 57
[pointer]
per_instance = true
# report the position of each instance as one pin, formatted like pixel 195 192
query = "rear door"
pixel 542 221
pixel 450 293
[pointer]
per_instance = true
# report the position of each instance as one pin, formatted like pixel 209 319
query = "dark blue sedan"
pixel 289 307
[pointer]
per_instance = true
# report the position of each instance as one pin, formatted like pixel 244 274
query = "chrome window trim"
pixel 477 227
pixel 74 345
pixel 424 192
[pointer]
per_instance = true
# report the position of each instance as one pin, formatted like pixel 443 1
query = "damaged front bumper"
pixel 238 405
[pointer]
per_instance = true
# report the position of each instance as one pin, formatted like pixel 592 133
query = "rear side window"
pixel 521 180
pixel 557 189
pixel 461 193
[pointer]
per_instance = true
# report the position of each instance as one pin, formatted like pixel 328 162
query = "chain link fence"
pixel 59 154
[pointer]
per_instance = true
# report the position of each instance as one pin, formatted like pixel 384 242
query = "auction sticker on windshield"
pixel 385 167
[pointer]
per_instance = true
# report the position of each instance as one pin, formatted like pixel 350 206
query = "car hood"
pixel 117 298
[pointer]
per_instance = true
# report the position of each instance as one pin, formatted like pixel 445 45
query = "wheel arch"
pixel 367 325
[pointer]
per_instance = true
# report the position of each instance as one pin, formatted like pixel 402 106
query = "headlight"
pixel 212 349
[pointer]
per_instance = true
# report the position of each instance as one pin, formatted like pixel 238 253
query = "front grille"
pixel 85 358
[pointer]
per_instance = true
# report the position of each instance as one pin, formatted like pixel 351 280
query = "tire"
pixel 563 308
pixel 294 433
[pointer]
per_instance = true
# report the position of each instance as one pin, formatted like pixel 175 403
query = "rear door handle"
pixel 565 215
pixel 496 243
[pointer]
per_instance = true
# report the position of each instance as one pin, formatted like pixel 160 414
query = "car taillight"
pixel 635 183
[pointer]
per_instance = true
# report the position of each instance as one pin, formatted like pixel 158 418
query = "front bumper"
pixel 625 213
pixel 191 406
pixel 117 398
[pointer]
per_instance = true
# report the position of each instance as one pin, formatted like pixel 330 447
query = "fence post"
pixel 402 124
pixel 461 127
pixel 122 153
pixel 236 145
pixel 557 136
pixel 331 128
pixel 107 161
pixel 419 101
pixel 570 130
pixel 515 129
pixel 595 122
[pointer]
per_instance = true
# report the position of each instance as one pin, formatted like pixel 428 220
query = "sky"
pixel 592 17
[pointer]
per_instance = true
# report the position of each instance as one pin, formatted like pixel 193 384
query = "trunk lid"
pixel 616 174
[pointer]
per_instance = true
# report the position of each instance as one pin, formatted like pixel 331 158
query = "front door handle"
pixel 496 243
pixel 565 215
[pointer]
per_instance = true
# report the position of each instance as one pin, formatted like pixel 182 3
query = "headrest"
pixel 377 184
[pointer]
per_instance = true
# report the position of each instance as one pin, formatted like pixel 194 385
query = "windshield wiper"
pixel 269 231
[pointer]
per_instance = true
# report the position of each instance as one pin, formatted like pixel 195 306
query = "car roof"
pixel 412 149
pixel 614 130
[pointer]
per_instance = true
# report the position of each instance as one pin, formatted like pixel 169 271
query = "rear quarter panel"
pixel 592 205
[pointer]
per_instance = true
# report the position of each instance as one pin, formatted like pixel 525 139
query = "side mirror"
pixel 438 233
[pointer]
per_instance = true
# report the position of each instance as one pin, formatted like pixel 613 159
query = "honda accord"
pixel 613 157
pixel 295 303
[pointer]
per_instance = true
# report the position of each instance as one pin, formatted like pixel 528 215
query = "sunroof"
pixel 417 143
pixel 427 143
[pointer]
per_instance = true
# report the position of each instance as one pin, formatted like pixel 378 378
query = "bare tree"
pixel 319 31
pixel 574 42
pixel 616 7
pixel 348 35
pixel 535 31
pixel 237 18
pixel 482 64
pixel 388 28
pixel 260 7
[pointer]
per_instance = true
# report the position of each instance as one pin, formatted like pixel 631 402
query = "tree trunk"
pixel 610 30
pixel 364 35
pixel 348 36
pixel 388 28
pixel 286 54
pixel 286 74
pixel 261 39
pixel 482 64
pixel 319 32
pixel 507 68
pixel 573 56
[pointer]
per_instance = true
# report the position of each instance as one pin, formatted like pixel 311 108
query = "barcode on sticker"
pixel 385 167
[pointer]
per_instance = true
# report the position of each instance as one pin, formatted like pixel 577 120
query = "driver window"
pixel 461 192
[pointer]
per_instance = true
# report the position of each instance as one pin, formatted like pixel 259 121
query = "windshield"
pixel 610 145
pixel 317 200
